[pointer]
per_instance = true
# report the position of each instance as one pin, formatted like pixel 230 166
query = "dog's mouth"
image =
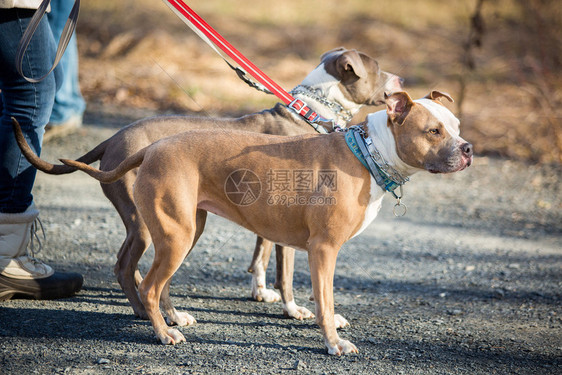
pixel 451 166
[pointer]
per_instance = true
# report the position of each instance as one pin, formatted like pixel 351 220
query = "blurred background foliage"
pixel 500 59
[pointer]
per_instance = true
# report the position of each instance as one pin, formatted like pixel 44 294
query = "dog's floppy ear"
pixel 350 62
pixel 436 95
pixel 398 106
pixel 326 54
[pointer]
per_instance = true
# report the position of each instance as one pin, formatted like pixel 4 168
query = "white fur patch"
pixel 319 78
pixel 259 291
pixel 290 305
pixel 374 206
pixel 443 115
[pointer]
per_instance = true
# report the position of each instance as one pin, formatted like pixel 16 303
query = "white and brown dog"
pixel 181 176
pixel 336 89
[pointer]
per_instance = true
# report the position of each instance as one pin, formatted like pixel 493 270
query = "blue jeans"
pixel 68 99
pixel 29 103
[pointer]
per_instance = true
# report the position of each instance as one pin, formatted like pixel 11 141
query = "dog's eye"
pixel 434 131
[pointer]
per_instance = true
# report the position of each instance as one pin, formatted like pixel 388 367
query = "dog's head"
pixel 427 133
pixel 356 76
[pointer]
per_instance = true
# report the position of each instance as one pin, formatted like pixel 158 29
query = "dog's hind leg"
pixel 120 193
pixel 171 245
pixel 159 274
pixel 137 241
pixel 174 317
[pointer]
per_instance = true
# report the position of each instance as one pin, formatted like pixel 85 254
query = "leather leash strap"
pixel 67 32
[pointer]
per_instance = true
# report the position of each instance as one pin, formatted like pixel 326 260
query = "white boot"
pixel 23 274
pixel 15 236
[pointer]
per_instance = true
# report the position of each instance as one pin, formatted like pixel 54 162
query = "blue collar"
pixel 362 147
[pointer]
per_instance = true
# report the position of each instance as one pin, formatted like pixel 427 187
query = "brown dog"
pixel 182 176
pixel 343 82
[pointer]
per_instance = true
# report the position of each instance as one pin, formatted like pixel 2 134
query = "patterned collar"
pixel 342 115
pixel 361 144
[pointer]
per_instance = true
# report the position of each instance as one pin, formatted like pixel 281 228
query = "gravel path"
pixel 468 282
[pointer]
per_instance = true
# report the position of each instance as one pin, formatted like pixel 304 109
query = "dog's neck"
pixel 321 91
pixel 384 142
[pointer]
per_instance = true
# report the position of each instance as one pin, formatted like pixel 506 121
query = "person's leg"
pixel 69 104
pixel 30 104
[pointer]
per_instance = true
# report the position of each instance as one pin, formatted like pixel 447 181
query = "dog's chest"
pixel 375 201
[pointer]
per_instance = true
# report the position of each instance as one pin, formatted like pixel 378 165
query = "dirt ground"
pixel 468 282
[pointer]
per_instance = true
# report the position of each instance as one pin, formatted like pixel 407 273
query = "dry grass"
pixel 137 53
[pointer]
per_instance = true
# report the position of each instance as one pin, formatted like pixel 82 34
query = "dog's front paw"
pixel 262 294
pixel 171 337
pixel 181 319
pixel 342 347
pixel 340 321
pixel 292 310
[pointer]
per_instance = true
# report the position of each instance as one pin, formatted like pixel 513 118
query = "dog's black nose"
pixel 467 149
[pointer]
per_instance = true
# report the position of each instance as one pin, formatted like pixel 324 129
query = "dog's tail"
pixel 107 177
pixel 44 166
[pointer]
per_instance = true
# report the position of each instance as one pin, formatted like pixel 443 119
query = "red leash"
pixel 210 35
